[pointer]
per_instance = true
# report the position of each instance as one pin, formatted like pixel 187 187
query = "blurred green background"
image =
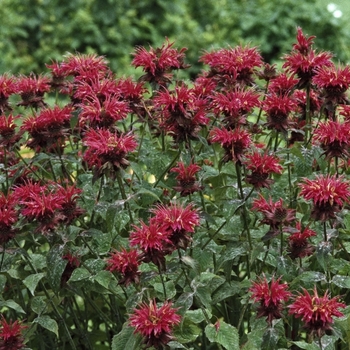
pixel 35 31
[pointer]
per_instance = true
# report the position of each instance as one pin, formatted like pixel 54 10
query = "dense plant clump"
pixel 158 213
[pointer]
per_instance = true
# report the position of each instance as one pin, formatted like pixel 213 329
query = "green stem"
pixel 167 168
pixel 124 197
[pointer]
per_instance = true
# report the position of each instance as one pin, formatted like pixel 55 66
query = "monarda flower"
pixel 275 214
pixel 316 311
pixel 8 131
pixel 298 245
pixel 234 106
pixel 233 65
pixel 11 335
pixel 304 61
pixel 333 82
pixel 158 63
pixel 8 217
pixel 180 112
pixel 234 142
pixel 178 221
pixel 153 241
pixel 155 323
pixel 7 88
pixel 283 84
pixel 107 151
pixel 126 263
pixel 277 109
pixel 49 129
pixel 32 90
pixel 271 296
pixel 261 166
pixel 328 194
pixel 186 178
pixel 334 138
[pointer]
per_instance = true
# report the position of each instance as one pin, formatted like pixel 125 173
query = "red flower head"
pixel 11 335
pixel 283 84
pixel 278 108
pixel 7 88
pixel 333 81
pixel 261 166
pixel 303 44
pixel 267 72
pixel 299 246
pixel 49 129
pixel 316 312
pixel 32 90
pixel 186 178
pixel 301 98
pixel 328 194
pixel 153 241
pixel 274 214
pixel 8 217
pixel 102 114
pixel 233 65
pixel 126 263
pixel 178 221
pixel 235 105
pixel 107 150
pixel 72 264
pixel 155 323
pixel 9 136
pixel 235 142
pixel 334 138
pixel 158 63
pixel 270 295
pixel 181 112
pixel 39 203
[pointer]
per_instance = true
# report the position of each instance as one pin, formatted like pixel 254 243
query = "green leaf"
pixel 48 323
pixel 104 278
pixel 270 339
pixel 225 334
pixel 306 346
pixel 55 266
pixel 126 339
pixel 38 304
pixel 12 305
pixel 32 281
pixel 169 289
pixel 341 281
pixel 187 332
pixel 79 274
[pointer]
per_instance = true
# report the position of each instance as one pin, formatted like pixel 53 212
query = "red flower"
pixel 181 112
pixel 283 84
pixel 49 129
pixel 270 295
pixel 126 263
pixel 9 136
pixel 235 142
pixel 261 166
pixel 97 113
pixel 186 178
pixel 299 246
pixel 233 64
pixel 278 108
pixel 107 150
pixel 235 105
pixel 32 90
pixel 304 44
pixel 178 221
pixel 334 138
pixel 7 88
pixel 8 217
pixel 158 63
pixel 58 76
pixel 11 335
pixel 153 241
pixel 72 264
pixel 274 214
pixel 316 312
pixel 155 323
pixel 328 194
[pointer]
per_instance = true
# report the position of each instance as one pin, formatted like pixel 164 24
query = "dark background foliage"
pixel 35 31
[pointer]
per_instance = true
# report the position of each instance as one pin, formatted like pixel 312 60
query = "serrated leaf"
pixel 169 289
pixel 270 339
pixel 79 274
pixel 48 323
pixel 341 281
pixel 126 339
pixel 32 281
pixel 306 346
pixel 225 334
pixel 104 278
pixel 187 332
pixel 38 304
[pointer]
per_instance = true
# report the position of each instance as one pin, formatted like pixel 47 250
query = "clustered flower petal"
pixel 11 335
pixel 155 323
